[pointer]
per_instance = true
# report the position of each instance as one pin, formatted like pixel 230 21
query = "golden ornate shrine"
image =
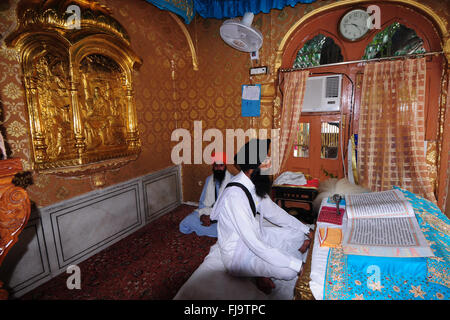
pixel 77 66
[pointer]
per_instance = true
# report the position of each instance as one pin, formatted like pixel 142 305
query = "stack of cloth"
pixel 330 237
pixel 328 212
pixel 291 178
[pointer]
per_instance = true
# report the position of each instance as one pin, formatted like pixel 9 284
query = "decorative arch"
pixel 431 21
pixel 106 45
pixel 393 28
pixel 188 39
pixel 432 28
pixel 427 43
pixel 325 37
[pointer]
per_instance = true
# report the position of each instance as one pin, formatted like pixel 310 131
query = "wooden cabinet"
pixel 297 201
pixel 15 210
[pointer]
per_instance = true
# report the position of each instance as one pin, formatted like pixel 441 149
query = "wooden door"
pixel 317 149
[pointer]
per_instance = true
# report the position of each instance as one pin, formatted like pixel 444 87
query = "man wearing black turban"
pixel 256 237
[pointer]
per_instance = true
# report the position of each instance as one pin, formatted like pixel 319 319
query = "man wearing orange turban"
pixel 199 221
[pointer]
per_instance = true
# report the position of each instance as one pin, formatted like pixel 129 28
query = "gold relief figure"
pixel 108 98
pixel 55 105
pixel 99 102
pixel 89 133
pixel 98 119
pixel 116 109
pixel 102 90
pixel 109 110
pixel 78 85
pixel 118 123
pixel 92 139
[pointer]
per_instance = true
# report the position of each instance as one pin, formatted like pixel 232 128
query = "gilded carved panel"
pixel 48 75
pixel 78 86
pixel 102 103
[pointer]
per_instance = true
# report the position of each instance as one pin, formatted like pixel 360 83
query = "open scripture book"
pixel 383 224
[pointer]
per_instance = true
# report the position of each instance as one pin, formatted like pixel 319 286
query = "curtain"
pixel 183 8
pixel 220 9
pixel 294 84
pixel 392 127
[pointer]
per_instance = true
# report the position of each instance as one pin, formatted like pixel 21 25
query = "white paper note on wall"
pixel 251 93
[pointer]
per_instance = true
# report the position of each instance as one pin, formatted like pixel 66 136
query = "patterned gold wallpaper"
pixel 222 71
pixel 169 93
pixel 157 42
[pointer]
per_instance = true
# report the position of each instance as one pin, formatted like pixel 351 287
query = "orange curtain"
pixel 392 127
pixel 294 84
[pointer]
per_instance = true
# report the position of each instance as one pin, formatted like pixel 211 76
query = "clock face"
pixel 353 25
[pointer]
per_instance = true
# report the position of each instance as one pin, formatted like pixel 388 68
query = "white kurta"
pixel 249 249
pixel 208 196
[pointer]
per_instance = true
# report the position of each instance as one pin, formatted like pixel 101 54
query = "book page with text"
pixel 383 232
pixel 388 237
pixel 382 204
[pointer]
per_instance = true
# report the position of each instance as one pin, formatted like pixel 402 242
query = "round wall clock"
pixel 353 24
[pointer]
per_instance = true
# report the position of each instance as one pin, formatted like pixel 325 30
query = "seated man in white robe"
pixel 247 248
pixel 199 221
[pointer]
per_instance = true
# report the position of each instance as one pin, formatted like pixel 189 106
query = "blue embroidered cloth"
pixel 350 278
pixel 388 265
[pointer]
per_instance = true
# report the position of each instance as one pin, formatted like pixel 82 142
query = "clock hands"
pixel 355 25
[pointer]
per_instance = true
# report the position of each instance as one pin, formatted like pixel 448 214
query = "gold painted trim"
pixel 354 163
pixel 442 25
pixel 292 186
pixel 189 40
pixel 77 170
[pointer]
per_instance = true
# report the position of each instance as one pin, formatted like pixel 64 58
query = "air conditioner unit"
pixel 322 94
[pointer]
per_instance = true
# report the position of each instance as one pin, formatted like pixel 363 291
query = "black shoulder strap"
pixel 247 193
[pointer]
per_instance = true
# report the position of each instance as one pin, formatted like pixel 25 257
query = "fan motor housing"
pixel 240 35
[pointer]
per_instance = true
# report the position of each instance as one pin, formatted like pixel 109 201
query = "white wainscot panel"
pixel 26 264
pixel 71 231
pixel 79 230
pixel 161 194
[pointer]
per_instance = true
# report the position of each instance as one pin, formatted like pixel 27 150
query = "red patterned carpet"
pixel 151 264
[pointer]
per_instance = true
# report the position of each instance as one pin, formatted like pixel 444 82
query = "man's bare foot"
pixel 305 246
pixel 265 284
pixel 205 220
